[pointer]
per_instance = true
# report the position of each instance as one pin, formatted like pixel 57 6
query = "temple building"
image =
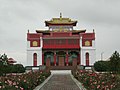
pixel 61 45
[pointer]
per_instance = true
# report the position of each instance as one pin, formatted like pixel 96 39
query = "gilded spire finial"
pixel 28 30
pixel 60 15
pixel 93 31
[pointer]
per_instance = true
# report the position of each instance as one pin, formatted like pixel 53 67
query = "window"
pixel 34 59
pixel 87 43
pixel 87 59
pixel 34 43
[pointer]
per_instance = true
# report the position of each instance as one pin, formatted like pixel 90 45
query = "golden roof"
pixel 65 21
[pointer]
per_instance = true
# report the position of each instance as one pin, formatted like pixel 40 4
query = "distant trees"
pixel 113 65
pixel 115 62
pixel 5 67
pixel 4 59
pixel 101 66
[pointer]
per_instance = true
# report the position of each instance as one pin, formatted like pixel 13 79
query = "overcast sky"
pixel 17 16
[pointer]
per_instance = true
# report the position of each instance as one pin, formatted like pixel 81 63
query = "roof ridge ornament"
pixel 60 16
pixel 93 30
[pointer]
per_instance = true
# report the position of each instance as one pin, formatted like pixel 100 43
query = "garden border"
pixel 40 86
pixel 78 83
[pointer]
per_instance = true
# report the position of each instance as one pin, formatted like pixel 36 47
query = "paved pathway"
pixel 60 80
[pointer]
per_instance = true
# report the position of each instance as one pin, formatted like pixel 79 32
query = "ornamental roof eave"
pixel 48 31
pixel 43 31
pixel 61 21
pixel 78 31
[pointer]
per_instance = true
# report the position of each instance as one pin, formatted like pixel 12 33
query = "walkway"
pixel 60 80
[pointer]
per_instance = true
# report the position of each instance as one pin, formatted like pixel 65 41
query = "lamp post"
pixel 102 55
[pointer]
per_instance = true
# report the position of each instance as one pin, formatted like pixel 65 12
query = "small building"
pixel 60 45
pixel 11 61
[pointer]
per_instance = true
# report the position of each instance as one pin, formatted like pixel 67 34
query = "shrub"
pixel 98 81
pixel 26 81
pixel 101 66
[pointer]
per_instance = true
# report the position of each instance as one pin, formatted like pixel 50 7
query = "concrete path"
pixel 60 80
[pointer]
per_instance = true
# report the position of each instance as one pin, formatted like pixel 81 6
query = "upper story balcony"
pixel 61 44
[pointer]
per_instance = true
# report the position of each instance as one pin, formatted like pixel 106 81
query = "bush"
pixel 5 67
pixel 26 81
pixel 115 62
pixel 98 81
pixel 113 65
pixel 101 66
pixel 17 68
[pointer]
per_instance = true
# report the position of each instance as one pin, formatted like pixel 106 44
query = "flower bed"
pixel 26 81
pixel 98 81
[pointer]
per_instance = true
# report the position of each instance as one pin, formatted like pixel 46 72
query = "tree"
pixel 4 59
pixel 5 67
pixel 115 62
pixel 101 66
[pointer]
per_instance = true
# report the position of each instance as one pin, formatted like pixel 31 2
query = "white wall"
pixel 92 56
pixel 92 53
pixel 31 51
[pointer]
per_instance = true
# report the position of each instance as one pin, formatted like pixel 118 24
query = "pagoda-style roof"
pixel 78 31
pixel 11 61
pixel 61 21
pixel 48 31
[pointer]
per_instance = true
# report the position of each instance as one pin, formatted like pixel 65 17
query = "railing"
pixel 61 43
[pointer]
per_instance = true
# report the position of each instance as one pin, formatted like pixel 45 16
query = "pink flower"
pixel 14 83
pixel 98 86
pixel 16 86
pixel 21 88
pixel 24 80
pixel 103 82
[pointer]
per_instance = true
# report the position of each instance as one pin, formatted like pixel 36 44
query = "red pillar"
pixel 42 58
pixel 55 58
pixel 79 62
pixel 67 58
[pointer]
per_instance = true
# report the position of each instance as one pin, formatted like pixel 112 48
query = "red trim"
pixel 61 47
pixel 65 24
pixel 61 44
pixel 31 36
pixel 88 36
pixel 60 25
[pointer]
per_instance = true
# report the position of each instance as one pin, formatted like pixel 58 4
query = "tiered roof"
pixel 61 21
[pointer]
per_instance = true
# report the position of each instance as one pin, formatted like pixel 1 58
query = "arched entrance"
pixel 49 56
pixel 35 59
pixel 73 55
pixel 87 59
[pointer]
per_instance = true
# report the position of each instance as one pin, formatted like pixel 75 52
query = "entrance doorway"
pixel 61 61
pixel 61 58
